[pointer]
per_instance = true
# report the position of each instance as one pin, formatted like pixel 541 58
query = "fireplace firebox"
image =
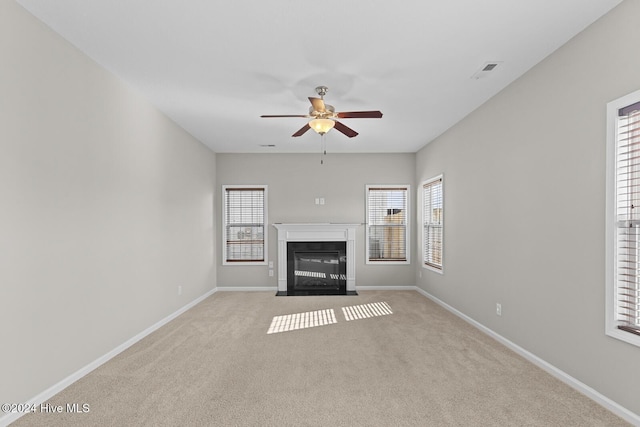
pixel 316 268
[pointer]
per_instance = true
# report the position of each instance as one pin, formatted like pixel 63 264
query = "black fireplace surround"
pixel 316 268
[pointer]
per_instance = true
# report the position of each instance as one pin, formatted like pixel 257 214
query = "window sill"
pixel 243 263
pixel 374 262
pixel 435 270
pixel 627 337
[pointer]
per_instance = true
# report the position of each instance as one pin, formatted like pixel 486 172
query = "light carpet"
pixel 418 365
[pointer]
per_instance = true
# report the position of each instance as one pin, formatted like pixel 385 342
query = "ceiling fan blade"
pixel 359 115
pixel 345 129
pixel 318 104
pixel 302 130
pixel 285 115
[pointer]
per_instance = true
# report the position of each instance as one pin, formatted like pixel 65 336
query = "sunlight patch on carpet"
pixel 310 319
pixel 365 311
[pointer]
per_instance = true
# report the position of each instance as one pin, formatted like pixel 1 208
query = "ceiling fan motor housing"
pixel 328 112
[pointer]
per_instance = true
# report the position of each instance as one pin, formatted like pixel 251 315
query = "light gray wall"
pixel 294 181
pixel 106 208
pixel 525 207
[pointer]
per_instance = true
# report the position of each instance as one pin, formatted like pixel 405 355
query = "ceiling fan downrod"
pixel 322 91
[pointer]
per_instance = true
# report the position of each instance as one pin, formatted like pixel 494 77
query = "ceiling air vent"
pixel 487 68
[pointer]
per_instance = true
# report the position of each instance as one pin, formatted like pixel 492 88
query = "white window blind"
pixel 387 229
pixel 245 224
pixel 627 208
pixel 432 222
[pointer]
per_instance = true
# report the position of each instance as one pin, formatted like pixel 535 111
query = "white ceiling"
pixel 214 67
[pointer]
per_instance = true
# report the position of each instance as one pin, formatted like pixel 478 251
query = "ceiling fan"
pixel 324 116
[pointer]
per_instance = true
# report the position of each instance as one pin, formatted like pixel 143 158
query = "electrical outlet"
pixel 270 273
pixel 180 290
pixel 499 309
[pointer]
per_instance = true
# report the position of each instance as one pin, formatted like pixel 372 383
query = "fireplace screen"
pixel 316 268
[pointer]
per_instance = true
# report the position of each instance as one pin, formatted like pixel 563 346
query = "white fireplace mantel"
pixel 316 232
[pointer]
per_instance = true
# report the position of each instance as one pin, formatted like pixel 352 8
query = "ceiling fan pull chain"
pixel 323 148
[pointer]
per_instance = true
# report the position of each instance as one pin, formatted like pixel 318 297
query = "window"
pixel 432 221
pixel 245 224
pixel 387 224
pixel 623 219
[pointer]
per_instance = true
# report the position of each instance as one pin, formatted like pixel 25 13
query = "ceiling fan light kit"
pixel 322 126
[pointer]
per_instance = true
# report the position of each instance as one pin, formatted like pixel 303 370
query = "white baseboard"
pixel 385 288
pixel 275 288
pixel 66 382
pixel 604 401
pixel 247 289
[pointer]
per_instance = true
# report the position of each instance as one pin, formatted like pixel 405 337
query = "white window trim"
pixel 408 222
pixel 421 216
pixel 224 222
pixel 611 328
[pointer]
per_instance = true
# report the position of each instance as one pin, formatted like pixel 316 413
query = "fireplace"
pixel 316 268
pixel 325 259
